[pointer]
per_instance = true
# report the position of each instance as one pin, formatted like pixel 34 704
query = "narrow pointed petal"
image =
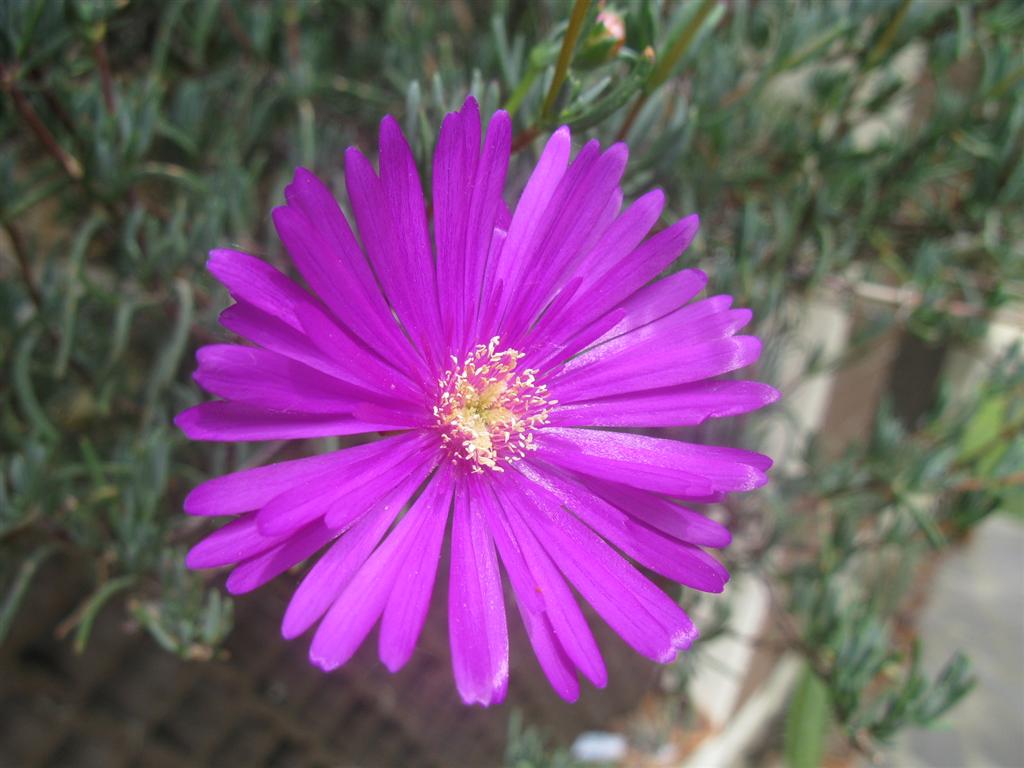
pixel 486 212
pixel 681 562
pixel 665 466
pixel 392 225
pixel 400 181
pixel 250 489
pixel 621 238
pixel 544 598
pixel 350 492
pixel 277 336
pixel 683 405
pixel 280 301
pixel 697 323
pixel 255 282
pixel 644 616
pixel 655 368
pixel 658 512
pixel 456 156
pixel 358 608
pixel 658 299
pixel 324 268
pixel 234 422
pixel 322 244
pixel 333 572
pixel 364 367
pixel 528 215
pixel 296 548
pixel 407 606
pixel 583 207
pixel 531 598
pixel 630 274
pixel 551 356
pixel 232 543
pixel 265 379
pixel 476 607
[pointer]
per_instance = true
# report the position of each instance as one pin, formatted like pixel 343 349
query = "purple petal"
pixel 529 212
pixel 644 616
pixel 582 209
pixel 326 253
pixel 476 607
pixel 551 356
pixel 268 380
pixel 543 599
pixel 528 242
pixel 269 315
pixel 271 333
pixel 333 572
pixel 406 609
pixel 622 237
pixel 660 298
pixel 697 323
pixel 391 218
pixel 654 368
pixel 325 266
pixel 250 489
pixel 683 405
pixel 371 472
pixel 557 667
pixel 400 181
pixel 486 211
pixel 232 543
pixel 380 479
pixel 629 274
pixel 233 422
pixel 354 613
pixel 257 571
pixel 658 512
pixel 665 466
pixel 366 368
pixel 456 156
pixel 255 282
pixel 467 210
pixel 684 563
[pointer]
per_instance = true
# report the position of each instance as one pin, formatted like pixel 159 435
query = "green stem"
pixel 888 36
pixel 18 589
pixel 86 615
pixel 668 62
pixel 572 34
pixel 627 124
pixel 516 99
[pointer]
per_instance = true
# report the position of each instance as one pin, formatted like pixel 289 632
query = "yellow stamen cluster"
pixel 486 411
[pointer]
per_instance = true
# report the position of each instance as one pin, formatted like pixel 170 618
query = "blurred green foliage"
pixel 823 144
pixel 528 748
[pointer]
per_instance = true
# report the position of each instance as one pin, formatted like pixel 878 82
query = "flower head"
pixel 493 348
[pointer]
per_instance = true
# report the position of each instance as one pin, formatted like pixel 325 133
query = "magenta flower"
pixel 493 362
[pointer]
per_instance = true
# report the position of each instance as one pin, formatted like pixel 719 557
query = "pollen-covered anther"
pixel 486 410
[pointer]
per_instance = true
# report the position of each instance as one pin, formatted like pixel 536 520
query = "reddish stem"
pixel 24 107
pixel 631 117
pixel 99 51
pixel 523 139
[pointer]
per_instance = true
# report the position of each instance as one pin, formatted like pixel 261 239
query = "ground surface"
pixel 977 605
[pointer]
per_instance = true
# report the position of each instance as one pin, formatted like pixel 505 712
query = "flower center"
pixel 486 411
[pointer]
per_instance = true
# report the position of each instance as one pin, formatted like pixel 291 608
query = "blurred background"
pixel 857 168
